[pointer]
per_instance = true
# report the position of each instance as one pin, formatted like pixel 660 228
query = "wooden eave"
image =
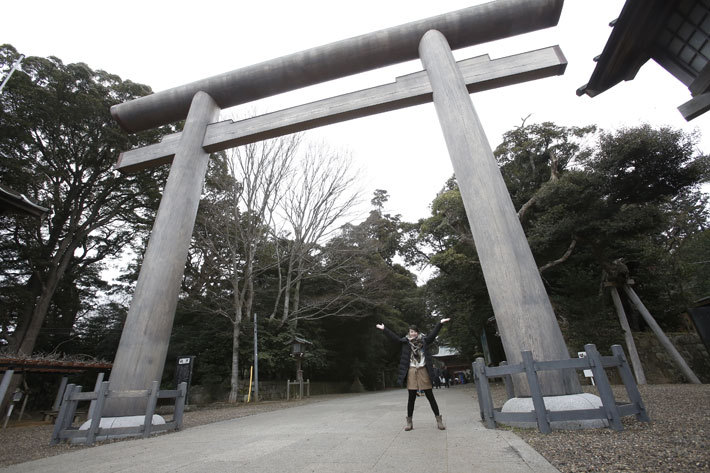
pixel 16 202
pixel 630 44
pixel 43 365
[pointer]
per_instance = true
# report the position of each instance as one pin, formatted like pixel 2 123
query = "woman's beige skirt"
pixel 418 378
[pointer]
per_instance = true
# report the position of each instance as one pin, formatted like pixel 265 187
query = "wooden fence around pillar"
pixel 300 385
pixel 611 410
pixel 63 429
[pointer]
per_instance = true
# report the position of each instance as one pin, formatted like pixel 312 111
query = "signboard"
pixel 183 372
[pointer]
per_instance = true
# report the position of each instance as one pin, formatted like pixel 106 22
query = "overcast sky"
pixel 166 44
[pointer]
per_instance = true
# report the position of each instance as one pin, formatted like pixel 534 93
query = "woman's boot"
pixel 409 425
pixel 440 423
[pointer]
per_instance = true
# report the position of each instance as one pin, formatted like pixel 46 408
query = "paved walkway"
pixel 362 433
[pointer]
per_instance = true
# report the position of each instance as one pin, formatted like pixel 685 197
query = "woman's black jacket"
pixel 406 350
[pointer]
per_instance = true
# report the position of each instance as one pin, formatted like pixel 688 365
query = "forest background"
pixel 278 234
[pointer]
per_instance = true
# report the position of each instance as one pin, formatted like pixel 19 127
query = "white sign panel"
pixel 587 373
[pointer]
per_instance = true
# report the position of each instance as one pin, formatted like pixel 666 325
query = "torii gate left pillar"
pixel 144 341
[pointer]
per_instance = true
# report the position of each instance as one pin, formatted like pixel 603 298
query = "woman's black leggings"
pixel 430 398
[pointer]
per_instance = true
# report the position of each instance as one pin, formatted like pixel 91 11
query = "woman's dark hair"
pixel 414 327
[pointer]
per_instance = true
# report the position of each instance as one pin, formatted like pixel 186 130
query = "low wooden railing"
pixel 300 384
pixel 611 410
pixel 63 429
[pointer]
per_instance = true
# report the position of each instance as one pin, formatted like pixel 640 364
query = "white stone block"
pixel 568 402
pixel 126 421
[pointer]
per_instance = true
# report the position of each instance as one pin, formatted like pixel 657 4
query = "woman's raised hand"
pixel 380 326
pixel 443 321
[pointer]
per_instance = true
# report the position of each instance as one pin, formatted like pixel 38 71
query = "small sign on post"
pixel 183 372
pixel 587 373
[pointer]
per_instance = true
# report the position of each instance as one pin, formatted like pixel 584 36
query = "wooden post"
pixel 484 394
pixel 180 405
pixel 144 341
pixel 631 389
pixel 477 381
pixel 150 409
pixel 508 381
pixel 7 377
pixel 665 341
pixel 538 402
pixel 603 386
pixel 628 336
pixel 256 361
pixel 73 404
pixel 24 404
pixel 92 406
pixel 9 413
pixel 64 414
pixel 60 393
pixel 101 394
pixel 522 308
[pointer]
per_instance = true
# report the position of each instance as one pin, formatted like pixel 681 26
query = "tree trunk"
pixel 297 296
pixel 24 339
pixel 242 304
pixel 26 344
pixel 287 292
pixel 34 287
pixel 234 382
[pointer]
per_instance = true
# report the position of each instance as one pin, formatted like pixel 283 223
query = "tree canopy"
pixel 59 144
pixel 590 203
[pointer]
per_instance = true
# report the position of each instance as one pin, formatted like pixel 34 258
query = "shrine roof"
pixel 676 35
pixel 48 365
pixel 11 200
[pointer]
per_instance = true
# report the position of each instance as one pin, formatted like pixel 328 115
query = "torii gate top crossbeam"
pixel 466 27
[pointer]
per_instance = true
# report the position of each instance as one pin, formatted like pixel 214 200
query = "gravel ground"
pixel 676 439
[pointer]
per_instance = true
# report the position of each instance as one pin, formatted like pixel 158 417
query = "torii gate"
pixel 522 308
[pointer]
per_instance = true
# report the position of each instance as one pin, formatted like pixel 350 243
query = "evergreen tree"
pixel 58 144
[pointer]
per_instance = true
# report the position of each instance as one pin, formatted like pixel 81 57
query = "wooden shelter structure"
pixel 12 201
pixel 44 365
pixel 11 365
pixel 675 34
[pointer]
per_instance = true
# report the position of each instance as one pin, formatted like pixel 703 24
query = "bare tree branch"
pixel 562 259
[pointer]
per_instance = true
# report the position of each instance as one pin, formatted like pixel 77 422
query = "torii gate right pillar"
pixel 522 308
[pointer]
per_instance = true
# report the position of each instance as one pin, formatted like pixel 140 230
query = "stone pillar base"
pixel 569 402
pixel 115 422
